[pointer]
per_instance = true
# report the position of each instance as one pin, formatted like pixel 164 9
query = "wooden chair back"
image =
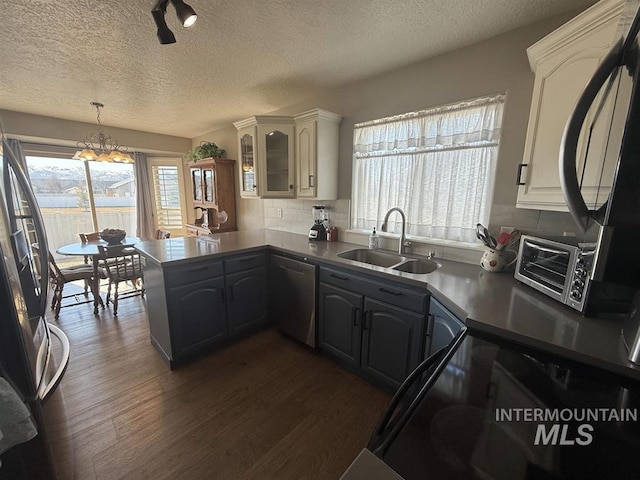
pixel 89 237
pixel 55 273
pixel 121 262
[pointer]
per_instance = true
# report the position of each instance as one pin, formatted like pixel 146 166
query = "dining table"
pixel 90 249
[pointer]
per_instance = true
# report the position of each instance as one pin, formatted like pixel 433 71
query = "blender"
pixel 318 230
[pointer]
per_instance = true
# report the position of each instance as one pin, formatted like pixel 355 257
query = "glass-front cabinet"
pixel 247 164
pixel 276 148
pixel 196 183
pixel 266 146
pixel 209 186
pixel 203 181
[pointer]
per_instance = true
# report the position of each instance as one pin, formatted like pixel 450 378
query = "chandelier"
pixel 99 147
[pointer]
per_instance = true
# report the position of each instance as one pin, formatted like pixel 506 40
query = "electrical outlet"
pixel 279 213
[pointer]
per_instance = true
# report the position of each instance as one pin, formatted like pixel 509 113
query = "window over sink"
pixel 438 165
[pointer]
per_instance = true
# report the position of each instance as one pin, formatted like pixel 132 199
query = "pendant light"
pixel 98 147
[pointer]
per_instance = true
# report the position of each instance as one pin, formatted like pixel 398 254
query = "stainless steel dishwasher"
pixel 292 298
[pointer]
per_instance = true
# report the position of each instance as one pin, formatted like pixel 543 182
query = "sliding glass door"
pixel 81 197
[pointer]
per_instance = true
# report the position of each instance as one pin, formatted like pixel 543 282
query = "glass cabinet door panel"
pixel 248 165
pixel 208 182
pixel 196 182
pixel 277 161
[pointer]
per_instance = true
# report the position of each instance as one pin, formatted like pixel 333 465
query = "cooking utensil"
pixel 484 236
pixel 515 239
pixel 503 241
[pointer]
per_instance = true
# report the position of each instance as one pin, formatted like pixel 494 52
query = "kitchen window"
pixel 437 165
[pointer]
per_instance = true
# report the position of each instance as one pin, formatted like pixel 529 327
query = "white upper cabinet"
pixel 266 148
pixel 317 134
pixel 563 63
pixel 276 152
pixel 247 161
pixel 289 156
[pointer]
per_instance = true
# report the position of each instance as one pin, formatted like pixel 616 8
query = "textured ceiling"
pixel 240 58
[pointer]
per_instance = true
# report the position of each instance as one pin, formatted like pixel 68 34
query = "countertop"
pixel 494 303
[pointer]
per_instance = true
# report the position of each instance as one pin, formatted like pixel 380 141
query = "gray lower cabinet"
pixel 391 342
pixel 340 324
pixel 247 300
pixel 368 330
pixel 201 310
pixel 444 327
pixel 198 305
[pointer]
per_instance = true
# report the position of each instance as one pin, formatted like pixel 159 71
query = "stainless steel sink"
pixel 372 257
pixel 417 266
pixel 390 260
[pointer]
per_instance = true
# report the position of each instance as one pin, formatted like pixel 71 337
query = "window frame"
pixel 375 148
pixel 169 162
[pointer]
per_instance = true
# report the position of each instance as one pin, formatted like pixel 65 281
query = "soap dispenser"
pixel 374 240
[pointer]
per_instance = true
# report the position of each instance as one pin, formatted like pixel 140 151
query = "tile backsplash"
pixel 532 222
pixel 297 215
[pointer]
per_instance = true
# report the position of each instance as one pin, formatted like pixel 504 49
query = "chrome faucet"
pixel 403 241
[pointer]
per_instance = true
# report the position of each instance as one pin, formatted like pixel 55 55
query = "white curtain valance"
pixel 463 125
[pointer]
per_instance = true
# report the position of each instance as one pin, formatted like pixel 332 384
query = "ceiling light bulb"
pixel 186 14
pixel 190 21
pixel 88 154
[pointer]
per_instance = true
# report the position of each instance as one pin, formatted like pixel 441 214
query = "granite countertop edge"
pixel 494 303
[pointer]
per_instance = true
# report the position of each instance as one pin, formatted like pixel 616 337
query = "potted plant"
pixel 205 150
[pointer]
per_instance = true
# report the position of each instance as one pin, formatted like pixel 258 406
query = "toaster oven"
pixel 559 267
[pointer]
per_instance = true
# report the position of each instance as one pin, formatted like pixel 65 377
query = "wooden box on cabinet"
pixel 317 134
pixel 213 189
pixel 563 63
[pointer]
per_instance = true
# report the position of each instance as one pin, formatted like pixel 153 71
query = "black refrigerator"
pixel 34 441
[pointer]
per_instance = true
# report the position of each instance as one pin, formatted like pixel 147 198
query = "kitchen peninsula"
pixel 198 267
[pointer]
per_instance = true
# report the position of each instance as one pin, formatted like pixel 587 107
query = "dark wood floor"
pixel 264 408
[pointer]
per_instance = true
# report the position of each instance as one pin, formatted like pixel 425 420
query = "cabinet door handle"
pixel 364 320
pixel 390 292
pixel 355 316
pixel 282 267
pixel 430 318
pixel 198 269
pixel 222 295
pixel 519 177
pixel 231 293
pixel 291 186
pixel 339 277
pixel 311 180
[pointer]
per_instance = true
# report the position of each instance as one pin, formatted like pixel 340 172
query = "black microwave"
pixel 560 268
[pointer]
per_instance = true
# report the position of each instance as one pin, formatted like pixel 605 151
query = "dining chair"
pixel 59 277
pixel 122 264
pixel 89 237
pixel 162 234
pixel 84 238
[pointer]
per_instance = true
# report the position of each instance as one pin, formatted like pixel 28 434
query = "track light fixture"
pixel 185 13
